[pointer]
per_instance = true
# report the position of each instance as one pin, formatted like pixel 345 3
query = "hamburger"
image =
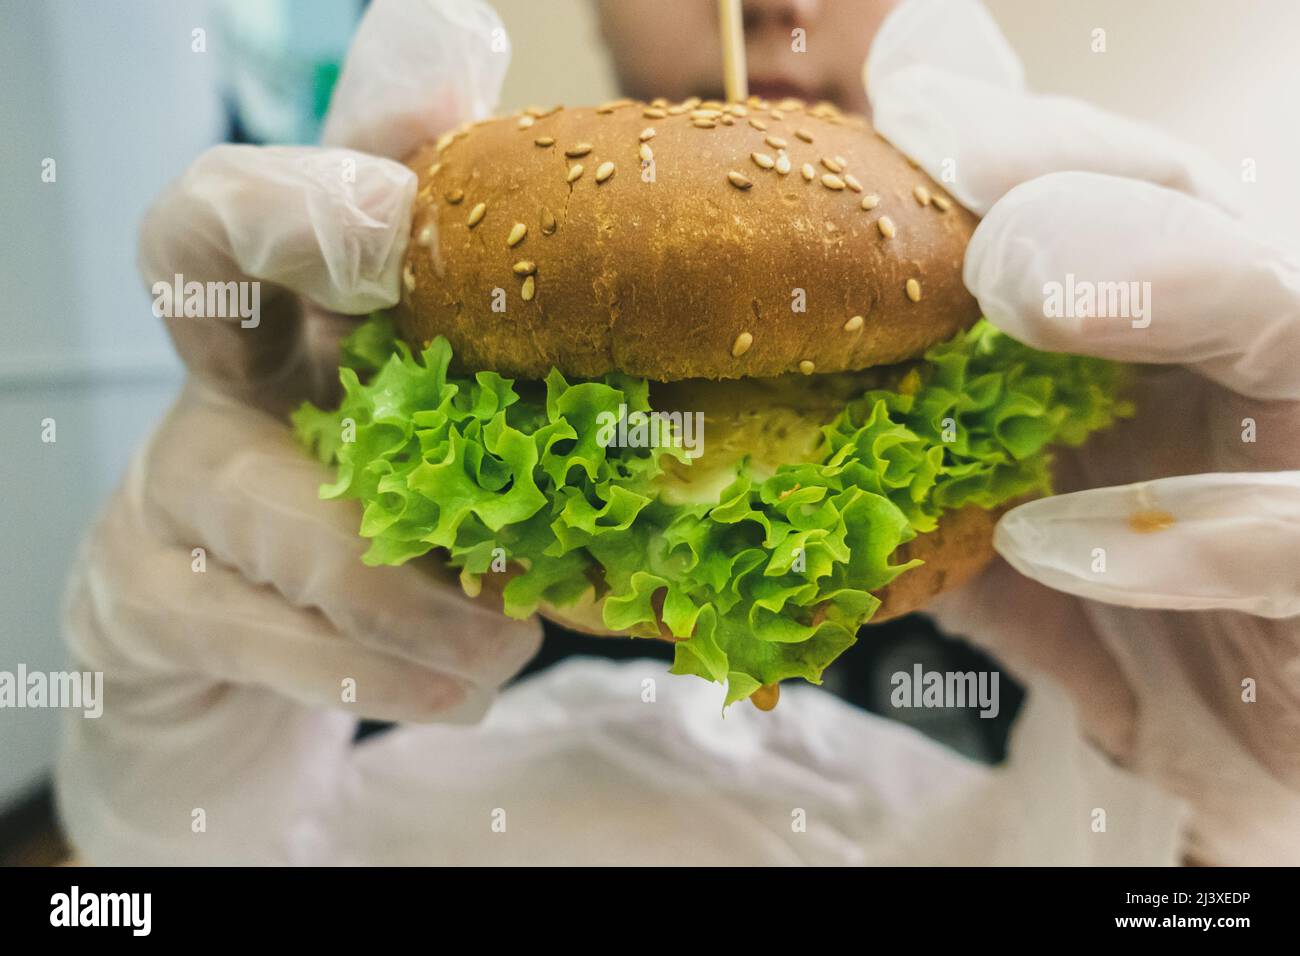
pixel 697 371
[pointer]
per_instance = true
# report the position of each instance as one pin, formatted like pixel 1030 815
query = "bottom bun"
pixel 953 553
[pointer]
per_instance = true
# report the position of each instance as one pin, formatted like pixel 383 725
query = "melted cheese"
pixel 772 421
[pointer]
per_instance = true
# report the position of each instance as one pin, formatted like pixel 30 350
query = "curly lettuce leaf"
pixel 769 582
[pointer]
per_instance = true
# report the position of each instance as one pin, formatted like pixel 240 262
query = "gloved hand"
pixel 239 634
pixel 1164 595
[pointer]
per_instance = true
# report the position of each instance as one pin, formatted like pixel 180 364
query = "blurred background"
pixel 103 101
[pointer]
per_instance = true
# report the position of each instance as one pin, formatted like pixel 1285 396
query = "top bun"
pixel 693 240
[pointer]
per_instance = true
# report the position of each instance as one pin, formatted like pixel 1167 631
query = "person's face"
pixel 671 48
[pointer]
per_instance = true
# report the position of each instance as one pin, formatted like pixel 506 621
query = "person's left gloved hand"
pixel 1164 590
pixel 239 633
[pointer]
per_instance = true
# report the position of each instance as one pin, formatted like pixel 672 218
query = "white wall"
pixel 1223 75
pixel 557 56
pixel 111 92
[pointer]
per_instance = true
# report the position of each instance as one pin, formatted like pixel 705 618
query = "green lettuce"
pixel 770 582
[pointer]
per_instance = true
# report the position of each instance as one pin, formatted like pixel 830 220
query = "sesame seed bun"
pixel 549 217
pixel 954 552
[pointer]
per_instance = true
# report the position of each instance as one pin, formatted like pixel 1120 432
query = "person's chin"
pixel 775 89
pixel 779 88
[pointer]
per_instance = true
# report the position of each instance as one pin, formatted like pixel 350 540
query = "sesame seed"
pixel 914 290
pixel 604 171
pixel 647 134
pixel 517 233
pixel 941 203
pixel 654 112
pixel 613 105
pixel 783 164
pixel 703 124
pixel 659 101
pixel 676 110
pixel 886 226
pixel 792 103
pixel 804 135
pixel 841 160
pixel 870 201
pixel 852 182
pixel 647 154
pixel 425 238
pixel 444 141
pixel 739 347
pixel 705 114
pixel 832 182
pixel 548 222
pixel 853 324
pixel 758 124
pixel 526 121
pixel 455 196
pixel 776 114
pixel 735 109
pixel 476 214
pixel 524 267
pixel 727 120
pixel 544 141
pixel 529 289
pixel 762 160
pixel 408 278
pixel 808 172
pixel 831 165
pixel 691 102
pixel 712 104
pixel 535 111
pixel 433 170
pixel 776 142
pixel 738 180
pixel 581 149
pixel 922 195
pixel 806 366
pixel 574 172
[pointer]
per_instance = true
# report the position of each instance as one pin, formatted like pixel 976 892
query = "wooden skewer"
pixel 734 78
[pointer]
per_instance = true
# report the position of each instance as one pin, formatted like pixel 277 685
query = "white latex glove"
pixel 1157 646
pixel 234 676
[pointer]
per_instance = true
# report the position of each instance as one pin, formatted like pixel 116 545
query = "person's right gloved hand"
pixel 239 633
